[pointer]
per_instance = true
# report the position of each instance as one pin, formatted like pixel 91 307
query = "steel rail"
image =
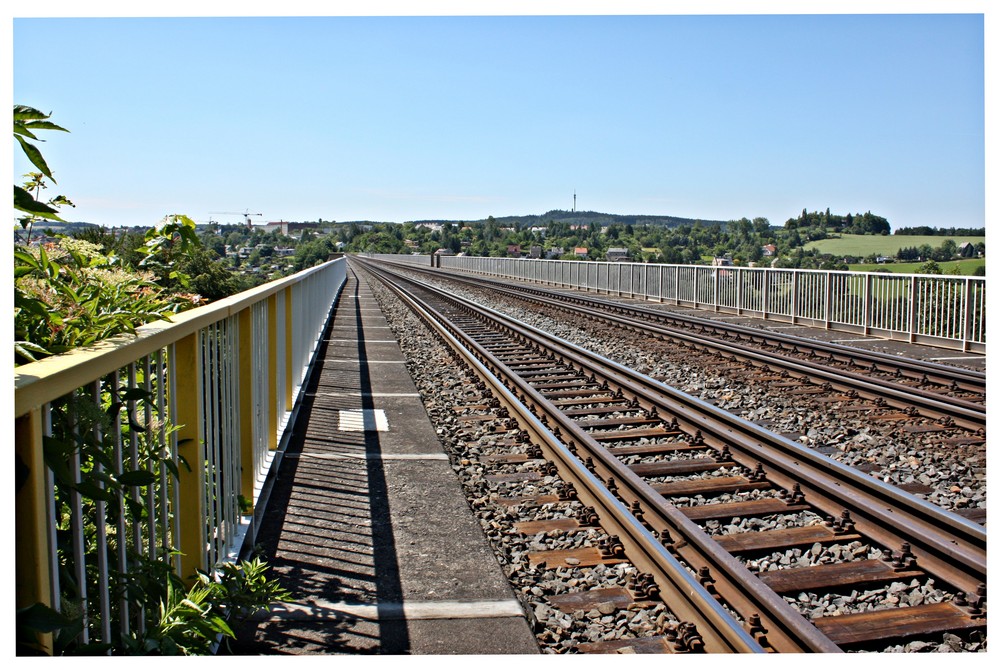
pixel 945 544
pixel 929 404
pixel 942 374
pixel 681 591
pixel 779 626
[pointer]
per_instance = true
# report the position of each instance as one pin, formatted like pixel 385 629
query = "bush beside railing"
pixel 149 452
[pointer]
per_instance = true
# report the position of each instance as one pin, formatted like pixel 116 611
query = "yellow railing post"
pixel 272 371
pixel 190 448
pixel 248 476
pixel 32 551
pixel 288 349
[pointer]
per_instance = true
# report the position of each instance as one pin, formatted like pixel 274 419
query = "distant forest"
pixel 586 218
pixel 942 232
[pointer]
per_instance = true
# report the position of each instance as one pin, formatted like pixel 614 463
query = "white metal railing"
pixel 942 310
pixel 147 445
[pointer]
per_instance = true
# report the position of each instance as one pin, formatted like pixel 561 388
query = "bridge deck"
pixel 366 523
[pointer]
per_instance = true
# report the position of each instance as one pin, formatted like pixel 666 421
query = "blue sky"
pixel 400 118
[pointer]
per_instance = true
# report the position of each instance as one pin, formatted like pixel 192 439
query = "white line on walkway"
pixel 874 339
pixel 364 340
pixel 357 360
pixel 444 609
pixel 958 358
pixel 348 456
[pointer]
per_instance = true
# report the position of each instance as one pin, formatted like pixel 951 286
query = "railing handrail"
pixel 217 388
pixel 43 381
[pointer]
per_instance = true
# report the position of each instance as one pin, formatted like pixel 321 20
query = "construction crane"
pixel 245 214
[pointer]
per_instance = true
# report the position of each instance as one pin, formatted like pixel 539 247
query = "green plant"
pixel 68 294
pixel 28 121
pixel 71 293
pixel 181 622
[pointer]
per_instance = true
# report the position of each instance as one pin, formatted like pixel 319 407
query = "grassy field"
pixel 963 267
pixel 888 245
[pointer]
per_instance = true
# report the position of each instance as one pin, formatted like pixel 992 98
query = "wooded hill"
pixel 586 218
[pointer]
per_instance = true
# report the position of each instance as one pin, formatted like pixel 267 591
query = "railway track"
pixel 946 395
pixel 679 487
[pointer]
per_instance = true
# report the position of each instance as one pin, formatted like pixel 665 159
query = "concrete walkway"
pixel 367 525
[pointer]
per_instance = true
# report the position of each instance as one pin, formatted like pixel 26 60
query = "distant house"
pixel 967 250
pixel 581 252
pixel 769 250
pixel 513 249
pixel 616 254
pixel 535 251
pixel 554 252
pixel 722 261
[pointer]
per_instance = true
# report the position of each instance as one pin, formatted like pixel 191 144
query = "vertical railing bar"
pixel 233 453
pixel 134 494
pixel 167 450
pixel 219 495
pixel 205 469
pixel 102 532
pixel 210 412
pixel 174 493
pixel 51 513
pixel 223 454
pixel 120 529
pixel 229 456
pixel 76 526
pixel 147 409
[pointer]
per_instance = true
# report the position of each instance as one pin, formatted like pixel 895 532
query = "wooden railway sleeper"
pixel 815 642
pixel 972 603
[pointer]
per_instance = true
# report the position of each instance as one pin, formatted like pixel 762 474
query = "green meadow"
pixel 888 245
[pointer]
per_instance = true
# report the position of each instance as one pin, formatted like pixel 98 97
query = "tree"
pixel 929 268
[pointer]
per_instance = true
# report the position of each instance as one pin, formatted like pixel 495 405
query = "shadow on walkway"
pixel 326 531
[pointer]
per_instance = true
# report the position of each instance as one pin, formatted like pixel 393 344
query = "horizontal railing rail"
pixel 940 310
pixel 156 447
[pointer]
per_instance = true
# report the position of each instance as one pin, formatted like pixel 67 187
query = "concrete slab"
pixel 367 523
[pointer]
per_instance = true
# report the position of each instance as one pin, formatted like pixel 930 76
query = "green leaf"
pixel 25 113
pixel 25 202
pixel 28 349
pixel 137 478
pixel 92 491
pixel 35 156
pixel 42 618
pixel 44 125
pixel 136 394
